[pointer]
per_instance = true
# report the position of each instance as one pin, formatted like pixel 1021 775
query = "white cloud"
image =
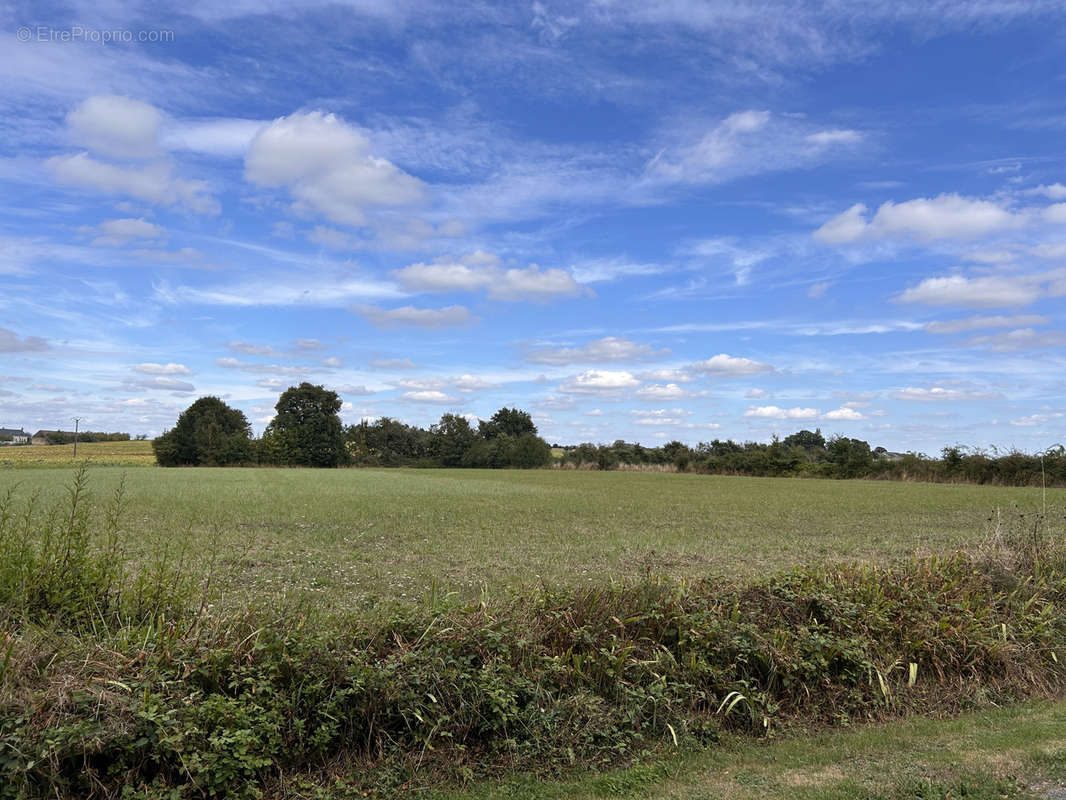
pixel 149 368
pixel 1054 191
pixel 281 289
pixel 667 376
pixel 292 370
pixel 749 142
pixel 984 292
pixel 947 216
pixel 979 323
pixel 472 383
pixel 609 348
pixel 773 412
pixel 116 232
pixel 393 363
pixel 916 394
pixel 250 349
pixel 327 167
pixel 482 271
pixel 599 381
pixel 755 394
pixel 169 384
pixel 660 391
pixel 152 183
pixel 116 126
pixel 727 366
pixel 1036 419
pixel 836 136
pixel 598 270
pixel 843 414
pixel 433 318
pixel 1055 213
pixel 433 397
pixel 1021 339
pixel 332 362
pixel 307 345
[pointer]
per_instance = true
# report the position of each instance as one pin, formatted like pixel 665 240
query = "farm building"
pixel 12 436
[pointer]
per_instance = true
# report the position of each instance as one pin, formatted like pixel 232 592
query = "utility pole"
pixel 76 421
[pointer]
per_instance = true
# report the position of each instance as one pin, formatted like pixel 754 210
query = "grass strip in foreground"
pixel 1017 752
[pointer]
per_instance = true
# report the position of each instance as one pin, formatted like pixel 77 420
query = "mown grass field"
pixel 341 544
pixel 358 536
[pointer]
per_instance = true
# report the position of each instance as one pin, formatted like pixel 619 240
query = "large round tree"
pixel 307 430
pixel 208 433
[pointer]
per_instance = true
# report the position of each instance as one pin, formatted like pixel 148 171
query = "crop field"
pixel 364 536
pixel 130 454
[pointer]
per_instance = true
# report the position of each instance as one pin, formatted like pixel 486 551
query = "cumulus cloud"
pixel 116 126
pixel 609 348
pixel 483 271
pixel 153 183
pixel 149 368
pixel 667 376
pixel 726 366
pixel 327 167
pixel 773 412
pixel 433 318
pixel 843 414
pixel 1021 339
pixel 983 292
pixel 980 323
pixel 660 391
pixel 431 396
pixel 600 382
pixel 11 342
pixel 947 216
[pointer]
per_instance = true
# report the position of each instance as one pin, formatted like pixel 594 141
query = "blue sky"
pixel 649 220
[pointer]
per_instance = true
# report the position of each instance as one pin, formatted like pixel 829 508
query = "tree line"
pixel 307 431
pixel 810 454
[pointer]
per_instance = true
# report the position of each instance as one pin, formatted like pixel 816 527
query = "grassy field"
pixel 349 536
pixel 1016 752
pixel 620 671
pixel 129 454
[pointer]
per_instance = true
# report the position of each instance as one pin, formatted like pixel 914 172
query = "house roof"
pixel 12 432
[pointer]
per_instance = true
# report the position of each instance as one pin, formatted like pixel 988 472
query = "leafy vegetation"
pixel 810 454
pixel 306 431
pixel 208 433
pixel 117 679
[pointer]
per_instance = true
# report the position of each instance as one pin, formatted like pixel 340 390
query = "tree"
pixel 307 430
pixel 208 433
pixel 450 439
pixel 507 422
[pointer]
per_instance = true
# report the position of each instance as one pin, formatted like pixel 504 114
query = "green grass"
pixel 1009 752
pixel 349 536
